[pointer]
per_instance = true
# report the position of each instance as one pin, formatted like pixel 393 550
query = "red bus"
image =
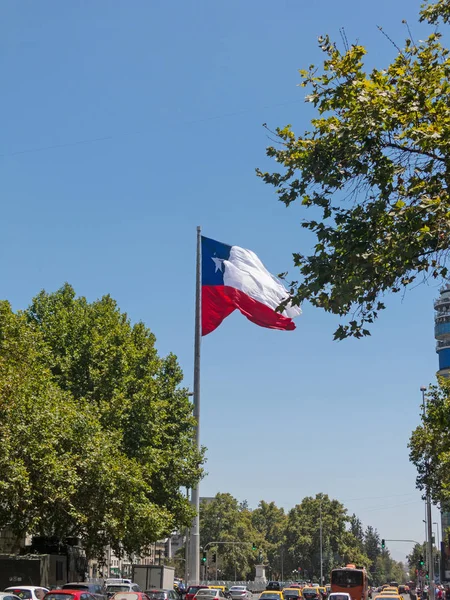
pixel 351 580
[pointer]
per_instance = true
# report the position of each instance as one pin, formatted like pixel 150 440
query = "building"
pixel 442 330
pixel 442 335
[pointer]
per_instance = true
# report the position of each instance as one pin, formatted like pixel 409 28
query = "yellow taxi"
pixel 311 593
pixel 271 595
pixel 388 596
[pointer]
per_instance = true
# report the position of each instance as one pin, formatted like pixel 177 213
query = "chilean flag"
pixel 233 277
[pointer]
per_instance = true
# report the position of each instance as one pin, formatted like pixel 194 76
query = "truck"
pixel 150 577
pixel 42 570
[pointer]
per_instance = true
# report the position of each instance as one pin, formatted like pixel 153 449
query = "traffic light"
pixel 214 557
pixel 427 576
pixel 253 546
pixel 204 558
pixel 421 563
pixel 383 544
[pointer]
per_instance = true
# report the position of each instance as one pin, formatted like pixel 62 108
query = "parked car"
pixel 28 592
pixel 114 588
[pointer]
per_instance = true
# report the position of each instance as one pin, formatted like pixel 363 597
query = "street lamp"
pixel 321 544
pixel 438 547
pixel 423 389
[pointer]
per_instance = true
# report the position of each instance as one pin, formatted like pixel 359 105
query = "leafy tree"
pixel 356 529
pixel 372 548
pixel 96 436
pixel 270 521
pixel 375 170
pixel 303 536
pixel 223 520
pixel 430 444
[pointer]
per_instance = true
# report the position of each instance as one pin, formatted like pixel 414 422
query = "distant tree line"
pixel 288 541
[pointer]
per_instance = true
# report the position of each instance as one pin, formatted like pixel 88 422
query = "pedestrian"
pixel 447 593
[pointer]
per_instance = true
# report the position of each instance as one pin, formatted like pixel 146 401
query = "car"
pixel 130 596
pixel 210 594
pixel 111 580
pixel 274 586
pixel 387 596
pixel 160 594
pixel 8 596
pixel 271 595
pixel 93 588
pixel 240 592
pixel 28 592
pixel 311 593
pixel 291 593
pixel 339 596
pixel 113 588
pixel 192 590
pixel 68 594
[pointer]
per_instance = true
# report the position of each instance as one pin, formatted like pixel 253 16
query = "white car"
pixel 209 594
pixel 28 592
pixel 240 592
pixel 339 596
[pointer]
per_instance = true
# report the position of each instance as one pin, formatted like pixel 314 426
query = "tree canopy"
pixel 430 444
pixel 374 170
pixel 97 436
pixel 288 542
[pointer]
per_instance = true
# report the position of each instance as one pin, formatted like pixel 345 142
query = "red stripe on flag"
pixel 219 301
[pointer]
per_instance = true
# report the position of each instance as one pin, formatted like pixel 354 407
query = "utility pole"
pixel 430 562
pixel 321 555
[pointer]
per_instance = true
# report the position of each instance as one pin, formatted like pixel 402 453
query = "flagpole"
pixel 194 545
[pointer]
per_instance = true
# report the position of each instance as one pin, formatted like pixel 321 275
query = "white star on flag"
pixel 218 262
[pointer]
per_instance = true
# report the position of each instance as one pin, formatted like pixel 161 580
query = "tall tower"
pixel 442 335
pixel 442 330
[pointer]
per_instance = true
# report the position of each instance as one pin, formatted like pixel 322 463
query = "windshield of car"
pixel 53 596
pixel 193 589
pixel 338 597
pixel 310 593
pixel 237 588
pixel 293 593
pixel 347 578
pixel 268 596
pixel 24 594
pixel 75 586
pixel 206 592
pixel 117 588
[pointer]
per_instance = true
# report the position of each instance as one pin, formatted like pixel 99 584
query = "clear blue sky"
pixel 180 91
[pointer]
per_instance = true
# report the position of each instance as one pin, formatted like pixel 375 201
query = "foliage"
pixel 97 437
pixel 291 541
pixel 270 521
pixel 430 444
pixel 224 520
pixel 375 171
